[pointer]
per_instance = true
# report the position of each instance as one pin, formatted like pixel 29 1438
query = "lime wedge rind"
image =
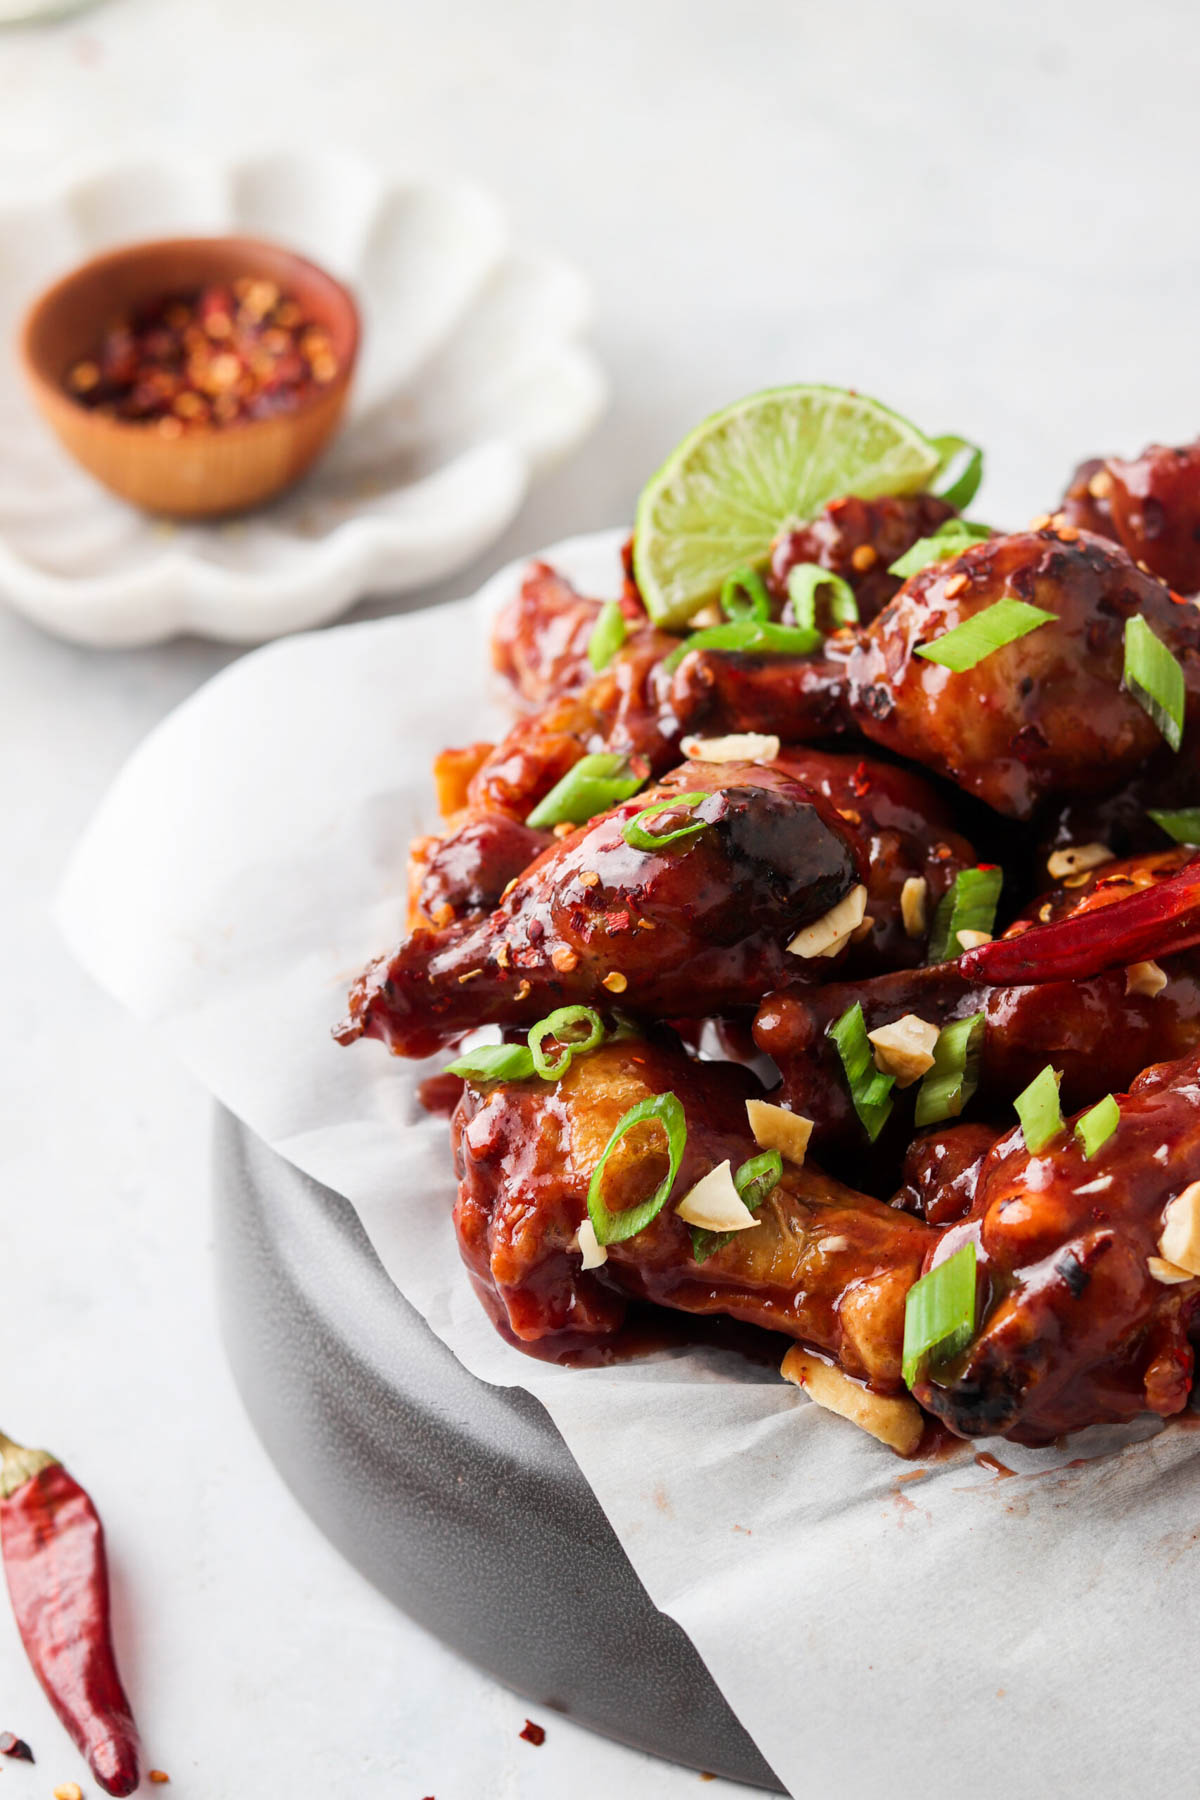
pixel 749 471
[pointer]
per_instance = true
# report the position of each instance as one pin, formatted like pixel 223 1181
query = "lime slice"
pixel 748 472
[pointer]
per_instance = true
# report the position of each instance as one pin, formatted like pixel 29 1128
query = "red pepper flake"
pixel 12 1745
pixel 214 356
pixel 956 585
pixel 618 921
pixel 860 781
pixel 533 1734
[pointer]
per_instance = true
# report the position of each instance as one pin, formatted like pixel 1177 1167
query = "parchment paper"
pixel 880 1630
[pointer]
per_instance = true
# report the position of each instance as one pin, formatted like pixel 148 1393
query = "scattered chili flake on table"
pixel 53 1546
pixel 12 1745
pixel 533 1734
pixel 219 355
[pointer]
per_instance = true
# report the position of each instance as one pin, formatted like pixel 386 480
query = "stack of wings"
pixel 781 857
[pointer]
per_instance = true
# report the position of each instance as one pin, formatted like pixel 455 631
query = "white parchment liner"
pixel 878 1632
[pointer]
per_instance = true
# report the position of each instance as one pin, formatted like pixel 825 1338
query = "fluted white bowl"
pixel 472 378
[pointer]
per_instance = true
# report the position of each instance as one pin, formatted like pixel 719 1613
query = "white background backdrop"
pixel 985 215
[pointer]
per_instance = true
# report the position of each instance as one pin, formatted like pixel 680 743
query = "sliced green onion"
pixel 970 905
pixel 608 634
pixel 590 786
pixel 744 596
pixel 950 539
pixel 870 1088
pixel 1094 1127
pixel 494 1062
pixel 576 1029
pixel 1154 676
pixel 615 1227
pixel 957 453
pixel 755 1179
pixel 638 838
pixel 954 1076
pixel 939 1314
pixel 1183 825
pixel 805 581
pixel 1038 1110
pixel 752 637
pixel 1001 623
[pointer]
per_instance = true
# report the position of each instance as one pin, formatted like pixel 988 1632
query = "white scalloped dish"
pixel 472 379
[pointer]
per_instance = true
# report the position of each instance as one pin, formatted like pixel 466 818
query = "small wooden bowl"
pixel 203 473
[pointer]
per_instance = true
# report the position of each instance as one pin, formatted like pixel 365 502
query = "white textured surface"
pixel 470 381
pixel 984 214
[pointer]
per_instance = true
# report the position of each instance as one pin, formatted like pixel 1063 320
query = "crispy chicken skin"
pixel 825 1264
pixel 691 929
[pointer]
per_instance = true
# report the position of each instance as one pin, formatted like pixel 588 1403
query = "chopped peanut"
pixel 740 746
pixel 775 1128
pixel 1101 485
pixel 1180 1240
pixel 1168 1273
pixel 1145 978
pixel 68 1790
pixel 971 940
pixel 904 1048
pixel 1076 859
pixel 592 1251
pixel 913 898
pixel 714 1203
pixel 895 1421
pixel 827 935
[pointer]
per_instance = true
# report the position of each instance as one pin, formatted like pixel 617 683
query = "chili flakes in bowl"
pixel 219 355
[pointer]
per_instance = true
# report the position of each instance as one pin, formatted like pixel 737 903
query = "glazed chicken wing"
pixel 823 1263
pixel 1081 1320
pixel 1099 1031
pixel 1150 505
pixel 692 927
pixel 1044 715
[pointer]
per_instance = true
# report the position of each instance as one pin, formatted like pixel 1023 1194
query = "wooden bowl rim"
pixel 240 248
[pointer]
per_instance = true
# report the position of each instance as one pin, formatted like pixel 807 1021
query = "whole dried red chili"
pixel 53 1546
pixel 1154 921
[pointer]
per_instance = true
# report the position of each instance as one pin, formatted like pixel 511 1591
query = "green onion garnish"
pixel 954 1076
pixel 576 1029
pixel 957 453
pixel 615 1227
pixel 870 1088
pixel 494 1062
pixel 950 539
pixel 608 634
pixel 752 637
pixel 1095 1127
pixel 1001 623
pixel 1154 676
pixel 638 838
pixel 805 581
pixel 743 596
pixel 755 1179
pixel 1038 1110
pixel 970 905
pixel 939 1314
pixel 1183 825
pixel 590 786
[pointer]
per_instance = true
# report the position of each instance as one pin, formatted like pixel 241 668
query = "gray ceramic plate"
pixel 458 1500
